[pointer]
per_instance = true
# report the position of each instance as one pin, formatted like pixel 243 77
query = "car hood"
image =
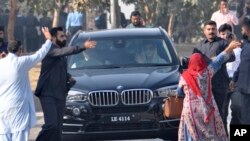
pixel 128 78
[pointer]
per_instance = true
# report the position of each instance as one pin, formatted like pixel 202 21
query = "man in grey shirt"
pixel 211 46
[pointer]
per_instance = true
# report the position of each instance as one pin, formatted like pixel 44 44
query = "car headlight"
pixel 76 96
pixel 166 91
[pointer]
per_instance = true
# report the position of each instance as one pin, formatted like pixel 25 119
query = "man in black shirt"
pixel 52 84
pixel 211 46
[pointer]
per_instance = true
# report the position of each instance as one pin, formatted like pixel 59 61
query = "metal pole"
pixel 113 12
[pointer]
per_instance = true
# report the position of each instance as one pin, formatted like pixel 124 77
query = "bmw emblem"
pixel 119 87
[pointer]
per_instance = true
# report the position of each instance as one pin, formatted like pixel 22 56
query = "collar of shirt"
pixel 215 39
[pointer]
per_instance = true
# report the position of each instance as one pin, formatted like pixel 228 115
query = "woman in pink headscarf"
pixel 200 119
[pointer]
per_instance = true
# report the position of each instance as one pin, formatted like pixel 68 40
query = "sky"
pixel 126 9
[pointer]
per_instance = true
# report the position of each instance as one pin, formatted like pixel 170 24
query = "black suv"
pixel 121 85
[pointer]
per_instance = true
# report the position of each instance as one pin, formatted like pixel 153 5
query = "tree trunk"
pixel 171 24
pixel 84 23
pixel 56 17
pixel 12 19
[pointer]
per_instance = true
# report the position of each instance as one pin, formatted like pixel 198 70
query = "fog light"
pixel 76 111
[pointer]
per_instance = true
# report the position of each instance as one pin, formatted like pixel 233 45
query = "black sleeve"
pixel 65 51
pixel 236 75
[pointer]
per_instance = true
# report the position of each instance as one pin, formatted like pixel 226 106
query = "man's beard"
pixel 61 43
pixel 1 40
pixel 137 24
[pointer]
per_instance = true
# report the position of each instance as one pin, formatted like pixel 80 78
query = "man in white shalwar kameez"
pixel 17 109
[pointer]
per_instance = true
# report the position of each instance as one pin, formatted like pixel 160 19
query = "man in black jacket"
pixel 211 46
pixel 242 76
pixel 52 84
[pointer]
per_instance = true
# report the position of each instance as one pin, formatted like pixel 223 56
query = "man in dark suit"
pixel 211 46
pixel 52 84
pixel 242 77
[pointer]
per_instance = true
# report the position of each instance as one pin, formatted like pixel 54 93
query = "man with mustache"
pixel 211 46
pixel 52 86
pixel 3 45
pixel 136 20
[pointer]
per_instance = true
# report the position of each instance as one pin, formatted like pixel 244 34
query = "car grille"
pixel 136 96
pixel 128 97
pixel 103 98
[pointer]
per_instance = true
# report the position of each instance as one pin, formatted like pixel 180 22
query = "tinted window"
pixel 123 52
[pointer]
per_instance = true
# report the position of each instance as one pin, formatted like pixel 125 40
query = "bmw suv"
pixel 120 90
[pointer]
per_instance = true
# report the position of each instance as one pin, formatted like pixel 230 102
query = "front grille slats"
pixel 136 96
pixel 128 97
pixel 103 98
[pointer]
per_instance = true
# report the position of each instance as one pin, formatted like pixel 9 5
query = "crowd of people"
pixel 218 69
pixel 217 73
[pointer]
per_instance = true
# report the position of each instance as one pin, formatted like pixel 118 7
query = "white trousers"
pixel 17 136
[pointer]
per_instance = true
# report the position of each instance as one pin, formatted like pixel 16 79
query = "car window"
pixel 123 52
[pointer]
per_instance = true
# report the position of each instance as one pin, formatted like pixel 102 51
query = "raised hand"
pixel 46 33
pixel 89 44
pixel 232 45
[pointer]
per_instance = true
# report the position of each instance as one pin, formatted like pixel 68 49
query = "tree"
pixel 56 6
pixel 172 14
pixel 12 19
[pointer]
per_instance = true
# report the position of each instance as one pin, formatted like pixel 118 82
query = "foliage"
pixel 3 4
pixel 176 15
pixel 48 5
pixel 181 15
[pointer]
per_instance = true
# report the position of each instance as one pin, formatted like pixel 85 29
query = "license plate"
pixel 120 118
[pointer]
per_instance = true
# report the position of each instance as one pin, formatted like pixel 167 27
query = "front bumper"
pixel 121 122
pixel 166 129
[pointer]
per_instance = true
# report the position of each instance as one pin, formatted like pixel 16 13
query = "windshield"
pixel 123 53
